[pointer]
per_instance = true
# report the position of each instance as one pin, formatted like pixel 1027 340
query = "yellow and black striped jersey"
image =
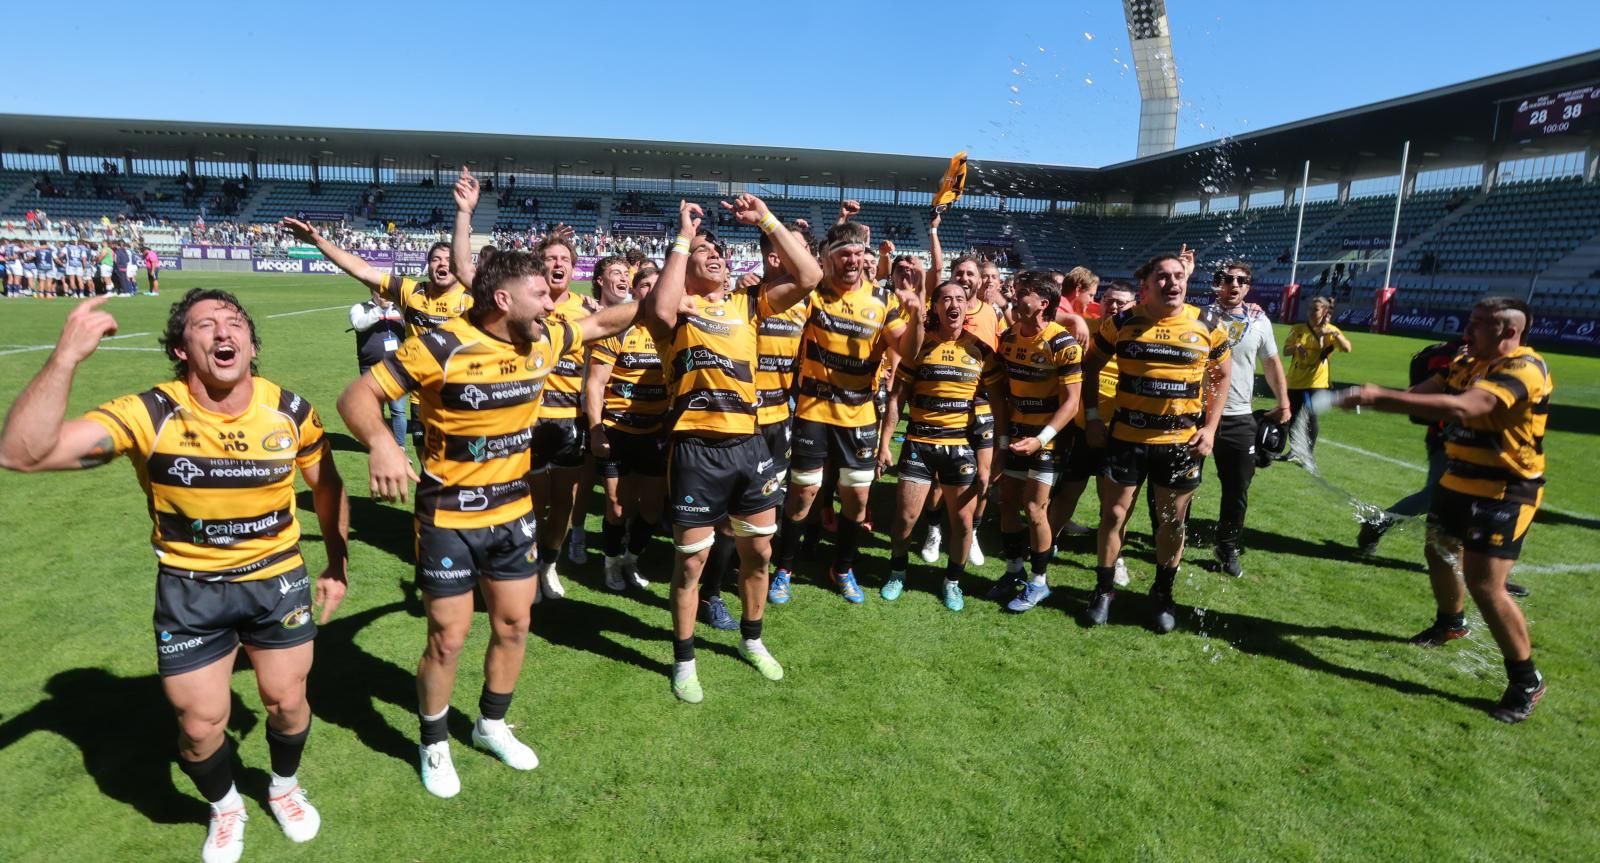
pixel 1037 368
pixel 1107 396
pixel 1500 456
pixel 1162 367
pixel 711 367
pixel 562 391
pixel 778 345
pixel 424 311
pixel 221 488
pixel 842 353
pixel 479 398
pixel 636 392
pixel 1306 355
pixel 945 379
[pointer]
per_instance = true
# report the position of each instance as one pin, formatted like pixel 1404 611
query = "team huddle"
pixel 76 268
pixel 731 415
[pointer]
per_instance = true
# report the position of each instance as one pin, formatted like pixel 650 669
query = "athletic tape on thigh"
pixel 745 528
pixel 806 477
pixel 850 477
pixel 697 547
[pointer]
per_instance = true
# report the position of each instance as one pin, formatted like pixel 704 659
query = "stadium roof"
pixel 1451 125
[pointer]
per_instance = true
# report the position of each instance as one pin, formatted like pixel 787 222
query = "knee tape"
pixel 850 477
pixel 745 528
pixel 812 478
pixel 697 546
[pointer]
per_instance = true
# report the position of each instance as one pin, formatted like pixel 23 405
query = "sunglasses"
pixel 1237 280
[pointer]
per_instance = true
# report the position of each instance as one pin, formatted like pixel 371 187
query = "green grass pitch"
pixel 1286 719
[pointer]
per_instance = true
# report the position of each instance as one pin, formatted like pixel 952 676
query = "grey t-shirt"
pixel 1250 338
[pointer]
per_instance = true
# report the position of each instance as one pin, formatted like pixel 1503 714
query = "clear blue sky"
pixel 828 75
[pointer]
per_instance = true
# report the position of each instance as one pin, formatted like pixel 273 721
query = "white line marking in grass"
pixel 306 311
pixel 27 348
pixel 1556 568
pixel 1423 469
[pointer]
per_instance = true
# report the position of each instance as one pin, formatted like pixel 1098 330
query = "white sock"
pixel 682 670
pixel 950 581
pixel 490 726
pixel 1037 581
pixel 281 785
pixel 437 716
pixel 231 800
pixel 753 645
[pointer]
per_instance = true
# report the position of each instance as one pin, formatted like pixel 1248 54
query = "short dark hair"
pixel 500 268
pixel 645 271
pixel 1149 266
pixel 1222 269
pixel 488 251
pixel 437 246
pixel 1041 285
pixel 965 259
pixel 1122 286
pixel 178 321
pixel 1493 305
pixel 600 267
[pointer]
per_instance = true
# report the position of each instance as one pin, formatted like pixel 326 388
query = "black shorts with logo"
pixel 1484 525
pixel 778 446
pixel 558 443
pixel 980 431
pixel 1083 461
pixel 709 479
pixel 633 454
pixel 451 560
pixel 818 443
pixel 949 464
pixel 1170 465
pixel 199 622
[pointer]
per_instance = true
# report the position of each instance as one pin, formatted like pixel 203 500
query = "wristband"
pixel 1002 441
pixel 1045 436
pixel 1091 413
pixel 680 245
pixel 769 224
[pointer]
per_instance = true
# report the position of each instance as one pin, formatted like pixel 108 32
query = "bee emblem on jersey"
pixel 278 441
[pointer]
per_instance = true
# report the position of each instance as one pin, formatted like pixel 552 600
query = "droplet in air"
pixel 1015 89
pixel 1088 35
pixel 1088 79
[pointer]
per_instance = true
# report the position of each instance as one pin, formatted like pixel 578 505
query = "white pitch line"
pixel 1423 469
pixel 306 311
pixel 1555 568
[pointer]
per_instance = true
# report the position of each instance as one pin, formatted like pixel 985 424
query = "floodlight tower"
pixel 1158 74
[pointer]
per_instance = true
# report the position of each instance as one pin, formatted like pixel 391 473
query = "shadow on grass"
pixel 125 730
pixel 346 680
pixel 1260 540
pixel 1545 516
pixel 379 525
pixel 573 623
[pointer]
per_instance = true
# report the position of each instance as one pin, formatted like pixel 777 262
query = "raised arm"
pixel 36 437
pixel 661 308
pixel 797 259
pixel 466 195
pixel 353 264
pixel 847 210
pixel 935 254
pixel 885 261
pixel 609 321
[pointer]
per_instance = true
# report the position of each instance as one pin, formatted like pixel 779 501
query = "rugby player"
pixel 1044 374
pixel 216 451
pixel 478 379
pixel 940 385
pixel 719 467
pixel 560 447
pixel 852 323
pixel 1172 374
pixel 625 398
pixel 1494 400
pixel 1085 455
pixel 426 304
pixel 1250 340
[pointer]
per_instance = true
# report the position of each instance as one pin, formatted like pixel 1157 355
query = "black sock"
pixel 213 776
pixel 717 565
pixel 954 569
pixel 683 649
pixel 435 730
pixel 1523 673
pixel 1451 621
pixel 788 543
pixel 898 562
pixel 1041 561
pixel 750 630
pixel 285 750
pixel 1165 576
pixel 1013 544
pixel 844 548
pixel 639 534
pixel 1105 579
pixel 548 556
pixel 612 536
pixel 493 705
